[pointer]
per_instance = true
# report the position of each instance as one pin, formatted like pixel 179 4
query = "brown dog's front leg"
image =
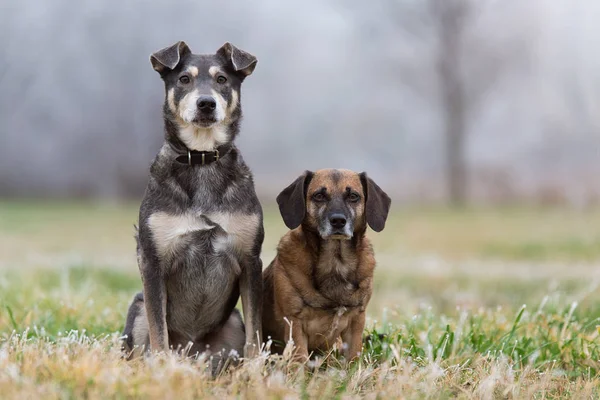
pixel 251 290
pixel 294 326
pixel 352 337
pixel 155 301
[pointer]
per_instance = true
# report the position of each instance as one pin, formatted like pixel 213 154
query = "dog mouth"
pixel 204 122
pixel 340 236
pixel 337 236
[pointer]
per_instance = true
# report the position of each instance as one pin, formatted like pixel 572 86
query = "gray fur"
pixel 169 56
pixel 190 291
pixel 241 60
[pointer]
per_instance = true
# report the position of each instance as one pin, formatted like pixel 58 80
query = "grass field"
pixel 478 303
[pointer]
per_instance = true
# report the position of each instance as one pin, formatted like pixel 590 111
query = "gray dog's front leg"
pixel 252 292
pixel 155 301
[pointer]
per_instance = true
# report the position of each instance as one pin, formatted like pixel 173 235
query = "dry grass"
pixel 77 366
pixel 448 301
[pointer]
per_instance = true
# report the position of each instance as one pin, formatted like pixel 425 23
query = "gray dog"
pixel 200 224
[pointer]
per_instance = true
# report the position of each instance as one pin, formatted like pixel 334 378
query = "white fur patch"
pixel 168 230
pixel 221 106
pixel 193 71
pixel 188 106
pixel 241 230
pixel 199 138
pixel 203 139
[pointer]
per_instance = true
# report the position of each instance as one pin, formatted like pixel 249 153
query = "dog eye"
pixel 319 197
pixel 221 79
pixel 353 197
pixel 184 79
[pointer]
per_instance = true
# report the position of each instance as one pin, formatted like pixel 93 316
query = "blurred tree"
pixel 450 17
pixel 464 67
pixel 468 65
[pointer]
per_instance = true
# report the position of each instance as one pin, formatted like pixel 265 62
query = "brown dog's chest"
pixel 340 290
pixel 335 274
pixel 334 277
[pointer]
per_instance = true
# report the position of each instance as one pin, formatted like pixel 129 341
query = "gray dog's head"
pixel 202 91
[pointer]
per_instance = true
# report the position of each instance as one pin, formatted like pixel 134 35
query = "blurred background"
pixel 481 119
pixel 441 101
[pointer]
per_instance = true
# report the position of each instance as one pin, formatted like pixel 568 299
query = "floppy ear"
pixel 377 203
pixel 242 62
pixel 169 57
pixel 292 201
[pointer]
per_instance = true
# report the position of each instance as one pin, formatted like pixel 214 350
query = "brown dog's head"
pixel 335 202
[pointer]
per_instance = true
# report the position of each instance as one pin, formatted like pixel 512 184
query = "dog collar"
pixel 194 157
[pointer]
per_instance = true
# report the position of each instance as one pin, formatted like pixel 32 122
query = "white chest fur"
pixel 171 232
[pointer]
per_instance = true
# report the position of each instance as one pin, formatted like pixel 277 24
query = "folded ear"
pixel 169 57
pixel 377 203
pixel 241 61
pixel 292 201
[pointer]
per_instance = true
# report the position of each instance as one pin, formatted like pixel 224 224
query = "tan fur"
pixel 222 111
pixel 193 71
pixel 159 338
pixel 171 100
pixel 235 98
pixel 322 287
pixel 214 70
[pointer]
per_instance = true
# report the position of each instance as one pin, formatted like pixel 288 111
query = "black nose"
pixel 337 221
pixel 206 104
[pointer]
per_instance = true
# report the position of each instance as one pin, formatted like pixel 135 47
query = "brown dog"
pixel 318 286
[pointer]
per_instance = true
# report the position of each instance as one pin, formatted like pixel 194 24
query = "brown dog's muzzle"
pixel 337 223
